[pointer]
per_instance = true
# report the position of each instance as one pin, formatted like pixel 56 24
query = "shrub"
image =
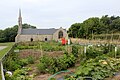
pixel 41 67
pixel 92 53
pixel 30 59
pixel 75 51
pixel 23 62
pixel 108 48
pixel 19 74
pixel 98 68
pixel 52 65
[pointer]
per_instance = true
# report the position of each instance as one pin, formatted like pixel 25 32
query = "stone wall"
pixel 55 36
pixel 23 38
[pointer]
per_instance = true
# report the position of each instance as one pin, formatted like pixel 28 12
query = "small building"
pixel 39 34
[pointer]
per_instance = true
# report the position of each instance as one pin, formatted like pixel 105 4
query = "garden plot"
pixel 40 60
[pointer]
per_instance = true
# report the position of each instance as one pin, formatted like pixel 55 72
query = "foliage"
pixel 46 46
pixel 20 74
pixel 5 37
pixel 93 52
pixel 98 68
pixel 13 62
pixel 75 51
pixel 30 60
pixel 52 65
pixel 95 26
pixel 108 48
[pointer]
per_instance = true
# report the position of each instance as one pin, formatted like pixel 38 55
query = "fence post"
pixel 115 51
pixel 2 73
pixel 85 51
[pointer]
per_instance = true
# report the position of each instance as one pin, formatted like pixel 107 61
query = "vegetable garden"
pixel 97 62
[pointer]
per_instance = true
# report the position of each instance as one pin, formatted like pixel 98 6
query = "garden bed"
pixel 45 59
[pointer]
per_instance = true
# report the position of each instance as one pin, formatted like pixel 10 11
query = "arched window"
pixel 45 39
pixel 31 39
pixel 60 35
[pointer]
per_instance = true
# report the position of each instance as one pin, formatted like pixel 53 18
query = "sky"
pixel 55 13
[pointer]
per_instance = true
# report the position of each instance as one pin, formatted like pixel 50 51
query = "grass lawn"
pixel 4 51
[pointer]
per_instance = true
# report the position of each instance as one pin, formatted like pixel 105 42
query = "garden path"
pixel 2 47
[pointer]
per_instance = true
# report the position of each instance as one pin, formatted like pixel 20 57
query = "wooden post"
pixel 41 50
pixel 85 51
pixel 115 51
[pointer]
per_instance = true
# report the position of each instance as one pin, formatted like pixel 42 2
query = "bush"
pixel 92 53
pixel 75 51
pixel 23 62
pixel 41 67
pixel 19 74
pixel 53 65
pixel 108 48
pixel 98 68
pixel 30 59
pixel 13 62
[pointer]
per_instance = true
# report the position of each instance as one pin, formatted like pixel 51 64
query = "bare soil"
pixel 30 52
pixel 37 53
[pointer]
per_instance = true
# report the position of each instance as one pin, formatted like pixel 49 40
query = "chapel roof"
pixel 38 31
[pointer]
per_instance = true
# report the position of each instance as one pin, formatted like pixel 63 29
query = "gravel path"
pixel 2 47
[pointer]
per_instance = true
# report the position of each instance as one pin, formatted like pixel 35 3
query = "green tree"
pixel 96 26
pixel 74 29
pixel 9 34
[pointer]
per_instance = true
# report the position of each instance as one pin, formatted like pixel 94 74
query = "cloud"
pixel 53 13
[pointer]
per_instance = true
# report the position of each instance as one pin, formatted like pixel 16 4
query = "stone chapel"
pixel 29 34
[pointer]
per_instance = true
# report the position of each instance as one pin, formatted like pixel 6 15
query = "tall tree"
pixel 95 25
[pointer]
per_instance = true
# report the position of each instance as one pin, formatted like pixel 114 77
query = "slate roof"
pixel 38 31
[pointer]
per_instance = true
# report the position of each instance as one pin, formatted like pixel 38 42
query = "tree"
pixel 115 25
pixel 9 34
pixel 25 26
pixel 74 29
pixel 95 25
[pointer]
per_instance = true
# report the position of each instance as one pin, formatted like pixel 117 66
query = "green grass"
pixel 4 51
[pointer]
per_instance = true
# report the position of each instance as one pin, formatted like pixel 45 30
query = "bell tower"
pixel 19 22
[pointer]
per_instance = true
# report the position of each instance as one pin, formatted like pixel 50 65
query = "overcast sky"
pixel 55 13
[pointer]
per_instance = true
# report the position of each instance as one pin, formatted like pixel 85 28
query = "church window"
pixel 45 39
pixel 60 35
pixel 31 39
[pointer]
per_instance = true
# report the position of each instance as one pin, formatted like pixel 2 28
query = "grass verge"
pixel 5 50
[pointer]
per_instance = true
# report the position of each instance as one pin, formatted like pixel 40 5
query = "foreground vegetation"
pixel 17 65
pixel 99 62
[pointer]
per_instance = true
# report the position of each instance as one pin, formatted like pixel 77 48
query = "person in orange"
pixel 64 41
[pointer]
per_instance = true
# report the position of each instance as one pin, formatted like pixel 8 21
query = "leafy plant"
pixel 92 53
pixel 53 64
pixel 30 59
pixel 75 51
pixel 98 68
pixel 20 74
